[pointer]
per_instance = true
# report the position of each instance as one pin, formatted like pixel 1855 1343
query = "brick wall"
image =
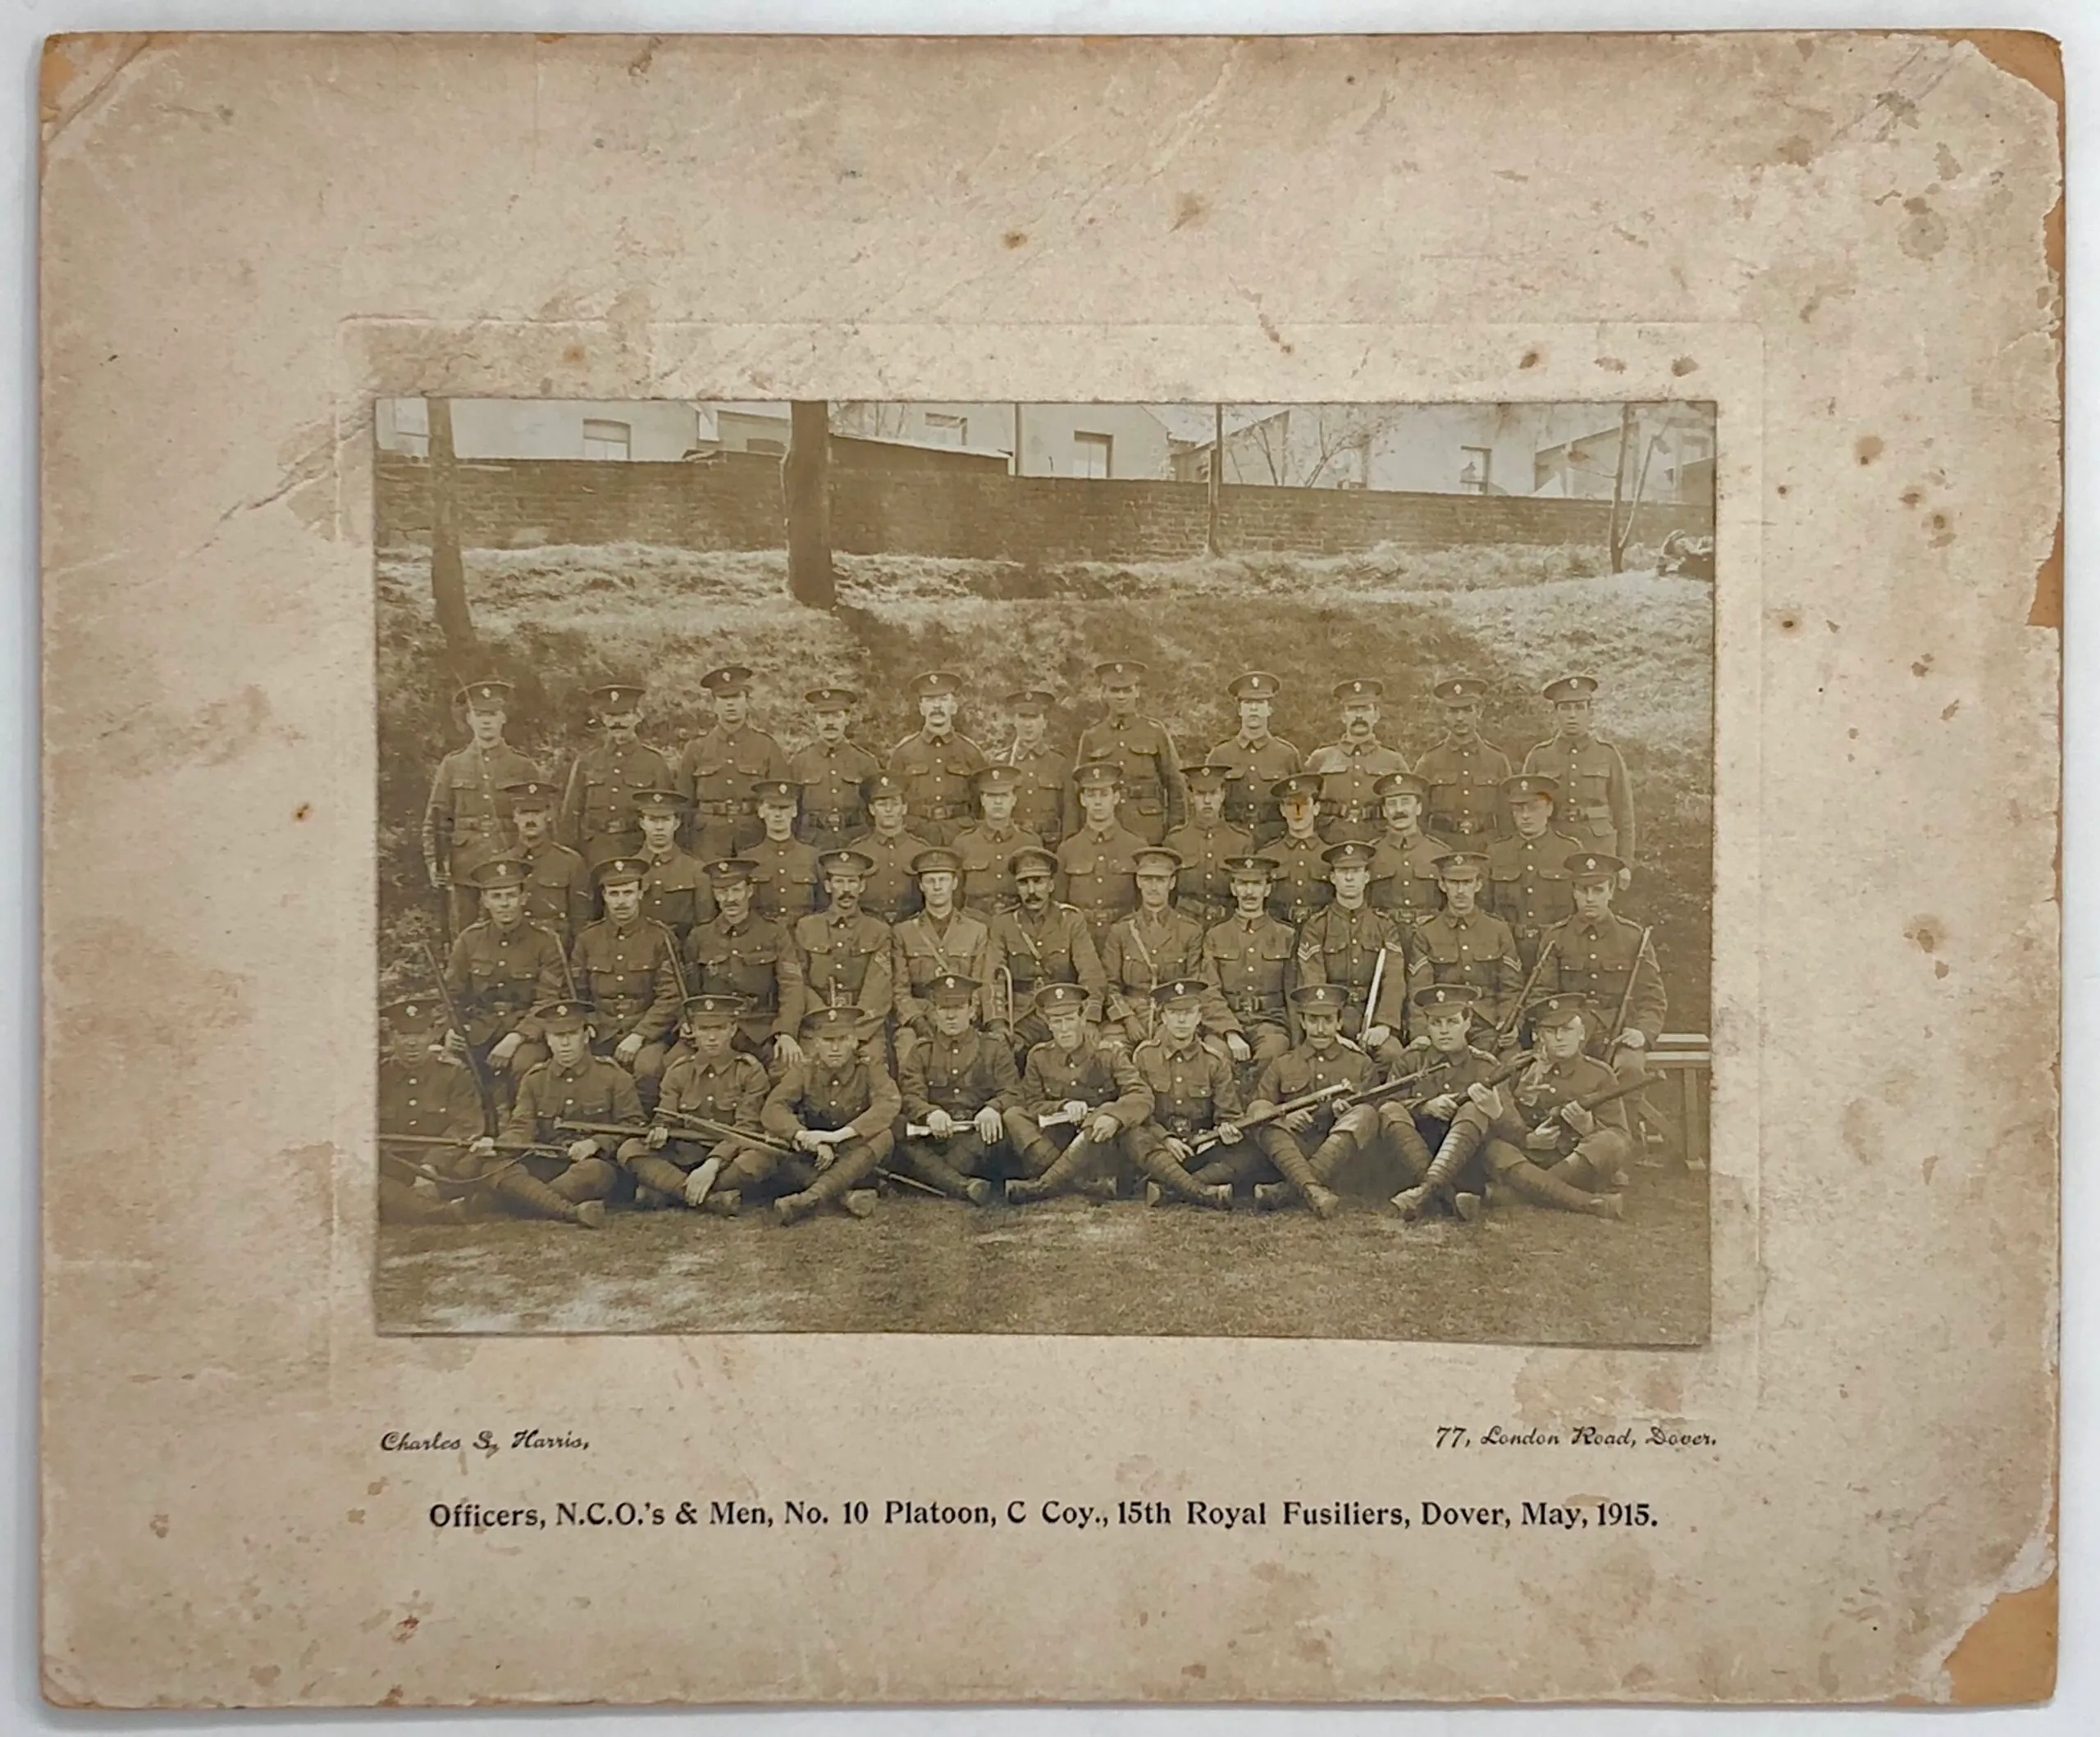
pixel 735 503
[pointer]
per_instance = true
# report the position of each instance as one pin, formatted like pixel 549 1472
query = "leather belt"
pixel 1181 1127
pixel 946 810
pixel 1254 1004
pixel 724 810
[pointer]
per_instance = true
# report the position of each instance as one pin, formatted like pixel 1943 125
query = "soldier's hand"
pixel 1631 1041
pixel 1544 1138
pixel 626 1049
pixel 455 1043
pixel 1075 1110
pixel 1488 1098
pixel 579 1150
pixel 499 1056
pixel 990 1125
pixel 787 1050
pixel 484 1148
pixel 1442 1107
pixel 1178 1149
pixel 1625 879
pixel 939 1124
pixel 1229 1133
pixel 1579 1120
pixel 1375 1037
pixel 1238 1046
pixel 1298 1121
pixel 1102 1128
pixel 659 1137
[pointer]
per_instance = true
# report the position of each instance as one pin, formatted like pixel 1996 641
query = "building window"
pixel 767 448
pixel 407 427
pixel 1091 453
pixel 949 430
pixel 1475 470
pixel 607 440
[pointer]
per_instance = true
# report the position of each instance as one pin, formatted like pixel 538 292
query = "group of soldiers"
pixel 745 974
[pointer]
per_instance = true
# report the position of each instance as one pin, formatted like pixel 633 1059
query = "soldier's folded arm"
pixel 778 1116
pixel 912 1086
pixel 884 1106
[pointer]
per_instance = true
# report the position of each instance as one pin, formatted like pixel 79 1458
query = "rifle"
pixel 523 1148
pixel 1393 1087
pixel 920 1131
pixel 630 1131
pixel 484 1087
pixel 1626 1000
pixel 1524 995
pixel 1210 1137
pixel 1595 1099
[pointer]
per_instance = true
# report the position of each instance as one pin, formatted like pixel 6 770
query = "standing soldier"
pixel 836 1110
pixel 1298 860
pixel 1598 954
pixel 426 1092
pixel 599 800
pixel 571 1085
pixel 737 954
pixel 678 1165
pixel 839 957
pixel 1254 759
pixel 958 1084
pixel 1097 1094
pixel 982 850
pixel 1041 940
pixel 1597 800
pixel 1193 1093
pixel 783 868
pixel 1444 1095
pixel 1204 845
pixel 891 890
pixel 1249 957
pixel 1099 861
pixel 1040 803
pixel 1464 772
pixel 465 818
pixel 1349 769
pixel 1140 749
pixel 1527 883
pixel 1333 1131
pixel 557 885
pixel 674 889
pixel 500 969
pixel 626 967
pixel 1341 944
pixel 932 767
pixel 1153 946
pixel 938 941
pixel 721 765
pixel 831 771
pixel 1403 864
pixel 1464 945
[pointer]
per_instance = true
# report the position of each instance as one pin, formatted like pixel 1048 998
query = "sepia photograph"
pixel 1220 869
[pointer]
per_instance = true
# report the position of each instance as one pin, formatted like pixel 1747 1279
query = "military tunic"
pixel 1203 888
pixel 432 1096
pixel 718 770
pixel 1596 959
pixel 1535 1093
pixel 675 892
pixel 1351 809
pixel 1100 1079
pixel 860 1095
pixel 936 771
pixel 986 885
pixel 1057 947
pixel 1041 796
pixel 742 959
pixel 497 976
pixel 890 889
pixel 1403 875
pixel 1407 1121
pixel 1465 791
pixel 730 1090
pixel 831 774
pixel 1337 1129
pixel 924 951
pixel 786 883
pixel 590 1090
pixel 1137 955
pixel 1255 766
pixel 466 819
pixel 1477 949
pixel 836 960
pixel 1343 947
pixel 598 799
pixel 557 890
pixel 1529 887
pixel 1596 799
pixel 1155 798
pixel 1097 874
pixel 626 973
pixel 1252 965
pixel 1192 1090
pixel 1299 885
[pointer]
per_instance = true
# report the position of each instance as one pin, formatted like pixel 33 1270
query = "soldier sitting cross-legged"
pixel 1096 1095
pixel 835 1111
pixel 1193 1095
pixel 1448 1089
pixel 1336 1129
pixel 572 1178
pixel 679 1162
pixel 958 1084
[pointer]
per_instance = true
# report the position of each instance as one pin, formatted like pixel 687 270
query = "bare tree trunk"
pixel 1617 538
pixel 1640 488
pixel 805 486
pixel 448 572
pixel 1216 490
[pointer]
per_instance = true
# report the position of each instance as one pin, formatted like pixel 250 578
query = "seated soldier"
pixel 1155 944
pixel 1339 1128
pixel 1095 1095
pixel 426 1093
pixel 1194 1111
pixel 1298 884
pixel 499 970
pixel 738 954
pixel 1420 1124
pixel 681 1159
pixel 836 1112
pixel 937 941
pixel 572 1179
pixel 1597 952
pixel 1039 941
pixel 626 967
pixel 840 956
pixel 1541 1145
pixel 957 1085
pixel 674 889
pixel 1462 944
pixel 1249 957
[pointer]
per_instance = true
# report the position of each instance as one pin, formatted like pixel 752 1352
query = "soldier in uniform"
pixel 1254 760
pixel 938 942
pixel 466 817
pixel 500 969
pixel 1464 772
pixel 626 967
pixel 676 1164
pixel 1098 863
pixel 1298 861
pixel 1341 946
pixel 1154 801
pixel 600 800
pixel 1154 945
pixel 1462 944
pixel 1349 769
pixel 1403 862
pixel 1541 1146
pixel 836 1110
pixel 1040 803
pixel 839 957
pixel 674 889
pixel 891 890
pixel 1334 1130
pixel 1450 1079
pixel 1597 954
pixel 958 1085
pixel 1204 845
pixel 1249 957
pixel 426 1092
pixel 1097 1095
pixel 783 869
pixel 1596 799
pixel 831 771
pixel 571 1085
pixel 737 954
pixel 934 766
pixel 1041 941
pixel 558 893
pixel 983 849
pixel 1194 1092
pixel 1527 885
pixel 721 765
